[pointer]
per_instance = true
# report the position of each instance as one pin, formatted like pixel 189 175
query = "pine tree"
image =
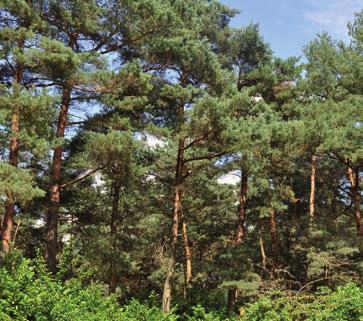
pixel 20 100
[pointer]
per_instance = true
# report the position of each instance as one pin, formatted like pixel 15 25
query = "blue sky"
pixel 288 25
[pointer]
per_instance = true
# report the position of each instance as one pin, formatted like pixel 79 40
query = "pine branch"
pixel 197 140
pixel 204 157
pixel 83 176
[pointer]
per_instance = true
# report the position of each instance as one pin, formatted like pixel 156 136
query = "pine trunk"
pixel 8 220
pixel 274 236
pixel 115 208
pixel 113 225
pixel 262 247
pixel 312 188
pixel 172 256
pixel 52 215
pixel 232 299
pixel 174 228
pixel 355 197
pixel 240 231
pixel 187 254
pixel 7 224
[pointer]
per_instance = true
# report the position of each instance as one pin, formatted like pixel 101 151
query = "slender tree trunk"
pixel 355 197
pixel 240 231
pixel 115 208
pixel 113 225
pixel 232 299
pixel 262 247
pixel 8 220
pixel 274 236
pixel 239 234
pixel 7 224
pixel 312 188
pixel 187 254
pixel 52 215
pixel 174 228
pixel 172 256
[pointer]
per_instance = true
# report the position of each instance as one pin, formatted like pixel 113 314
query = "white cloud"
pixel 231 178
pixel 39 223
pixel 154 142
pixel 332 15
pixel 150 140
pixel 98 181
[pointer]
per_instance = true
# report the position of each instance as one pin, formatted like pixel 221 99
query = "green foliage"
pixel 200 314
pixel 19 182
pixel 137 311
pixel 346 303
pixel 28 292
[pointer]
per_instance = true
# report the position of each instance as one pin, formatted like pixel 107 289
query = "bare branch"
pixel 84 175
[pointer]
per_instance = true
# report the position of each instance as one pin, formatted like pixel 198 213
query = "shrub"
pixel 343 304
pixel 29 292
pixel 199 314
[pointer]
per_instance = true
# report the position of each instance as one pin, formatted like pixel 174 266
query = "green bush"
pixel 199 314
pixel 344 304
pixel 29 293
pixel 135 311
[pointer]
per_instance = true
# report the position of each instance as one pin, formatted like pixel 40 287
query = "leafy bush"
pixel 137 311
pixel 344 304
pixel 199 314
pixel 28 292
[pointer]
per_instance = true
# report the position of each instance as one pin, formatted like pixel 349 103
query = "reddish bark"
pixel 187 255
pixel 174 227
pixel 274 236
pixel 240 231
pixel 312 188
pixel 8 220
pixel 52 215
pixel 239 234
pixel 355 197
pixel 262 250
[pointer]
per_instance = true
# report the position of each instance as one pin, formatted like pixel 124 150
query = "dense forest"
pixel 158 164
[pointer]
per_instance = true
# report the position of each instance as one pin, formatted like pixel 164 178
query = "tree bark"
pixel 232 299
pixel 187 254
pixel 8 220
pixel 52 215
pixel 174 228
pixel 172 256
pixel 312 188
pixel 274 236
pixel 239 234
pixel 113 225
pixel 115 208
pixel 240 231
pixel 262 247
pixel 355 198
